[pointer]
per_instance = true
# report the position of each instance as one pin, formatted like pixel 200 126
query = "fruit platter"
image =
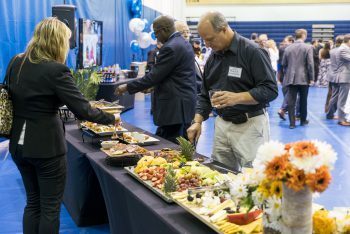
pixel 136 138
pixel 102 130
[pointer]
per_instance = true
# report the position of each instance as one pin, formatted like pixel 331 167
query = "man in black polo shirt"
pixel 243 73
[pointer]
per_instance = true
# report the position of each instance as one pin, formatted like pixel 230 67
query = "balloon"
pixel 151 28
pixel 138 15
pixel 153 36
pixel 134 46
pixel 136 7
pixel 146 22
pixel 136 25
pixel 145 40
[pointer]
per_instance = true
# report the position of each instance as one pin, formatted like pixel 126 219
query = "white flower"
pixel 274 207
pixel 238 190
pixel 258 198
pixel 309 164
pixel 269 151
pixel 275 224
pixel 326 155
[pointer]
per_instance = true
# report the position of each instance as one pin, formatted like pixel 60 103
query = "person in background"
pixel 262 41
pixel 325 62
pixel 340 60
pixel 196 45
pixel 152 56
pixel 183 28
pixel 254 37
pixel 299 74
pixel 288 40
pixel 316 50
pixel 151 60
pixel 40 84
pixel 174 80
pixel 333 69
pixel 242 72
pixel 273 53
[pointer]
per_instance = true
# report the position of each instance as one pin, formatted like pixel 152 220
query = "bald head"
pixel 163 27
pixel 215 31
pixel 183 28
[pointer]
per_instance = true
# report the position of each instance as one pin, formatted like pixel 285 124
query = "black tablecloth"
pixel 82 196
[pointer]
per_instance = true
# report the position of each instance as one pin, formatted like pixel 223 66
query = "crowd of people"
pixel 298 65
pixel 238 81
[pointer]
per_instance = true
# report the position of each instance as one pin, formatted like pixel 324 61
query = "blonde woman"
pixel 39 84
pixel 273 53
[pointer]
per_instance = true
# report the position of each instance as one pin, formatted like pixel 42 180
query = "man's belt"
pixel 243 117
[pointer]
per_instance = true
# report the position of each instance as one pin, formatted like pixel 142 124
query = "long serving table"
pixel 131 207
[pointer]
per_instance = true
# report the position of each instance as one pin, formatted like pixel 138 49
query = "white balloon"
pixel 145 40
pixel 151 28
pixel 136 25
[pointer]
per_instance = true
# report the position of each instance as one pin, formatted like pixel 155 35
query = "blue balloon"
pixel 153 36
pixel 138 15
pixel 134 46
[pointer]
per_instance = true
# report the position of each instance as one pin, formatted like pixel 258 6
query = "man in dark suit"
pixel 174 80
pixel 298 64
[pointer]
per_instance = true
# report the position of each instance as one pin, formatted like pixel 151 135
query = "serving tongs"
pixel 192 191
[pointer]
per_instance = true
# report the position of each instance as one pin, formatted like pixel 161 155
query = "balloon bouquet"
pixel 137 25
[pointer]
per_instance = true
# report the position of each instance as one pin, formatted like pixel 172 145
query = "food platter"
pixel 234 228
pixel 103 130
pixel 104 105
pixel 148 184
pixel 137 138
pixel 121 155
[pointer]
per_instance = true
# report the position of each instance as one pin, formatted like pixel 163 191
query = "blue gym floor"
pixel 12 195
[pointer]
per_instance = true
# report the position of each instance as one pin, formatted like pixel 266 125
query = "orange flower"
pixel 304 148
pixel 288 146
pixel 320 180
pixel 276 169
pixel 295 179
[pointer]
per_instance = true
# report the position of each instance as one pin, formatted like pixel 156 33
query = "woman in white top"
pixel 274 54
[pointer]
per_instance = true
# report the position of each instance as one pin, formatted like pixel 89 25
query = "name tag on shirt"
pixel 234 72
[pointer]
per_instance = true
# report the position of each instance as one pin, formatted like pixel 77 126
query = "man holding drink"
pixel 238 83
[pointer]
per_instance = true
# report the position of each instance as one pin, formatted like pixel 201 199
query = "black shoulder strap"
pixel 6 81
pixel 199 68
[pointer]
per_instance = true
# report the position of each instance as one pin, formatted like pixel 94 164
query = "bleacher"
pixel 277 30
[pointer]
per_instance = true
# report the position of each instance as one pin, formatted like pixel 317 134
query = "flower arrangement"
pixel 296 166
pixel 299 164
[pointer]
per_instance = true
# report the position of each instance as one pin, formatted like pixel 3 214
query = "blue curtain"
pixel 19 17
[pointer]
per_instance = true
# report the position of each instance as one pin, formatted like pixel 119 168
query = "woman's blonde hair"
pixel 50 42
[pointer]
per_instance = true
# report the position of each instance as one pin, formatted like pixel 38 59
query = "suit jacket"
pixel 298 64
pixel 36 95
pixel 339 71
pixel 174 80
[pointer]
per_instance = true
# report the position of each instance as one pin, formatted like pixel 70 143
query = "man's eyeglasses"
pixel 157 31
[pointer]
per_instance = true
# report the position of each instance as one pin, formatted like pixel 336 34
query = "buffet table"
pixel 106 92
pixel 82 195
pixel 131 207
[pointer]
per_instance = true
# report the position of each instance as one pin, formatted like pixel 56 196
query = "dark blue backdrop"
pixel 19 17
